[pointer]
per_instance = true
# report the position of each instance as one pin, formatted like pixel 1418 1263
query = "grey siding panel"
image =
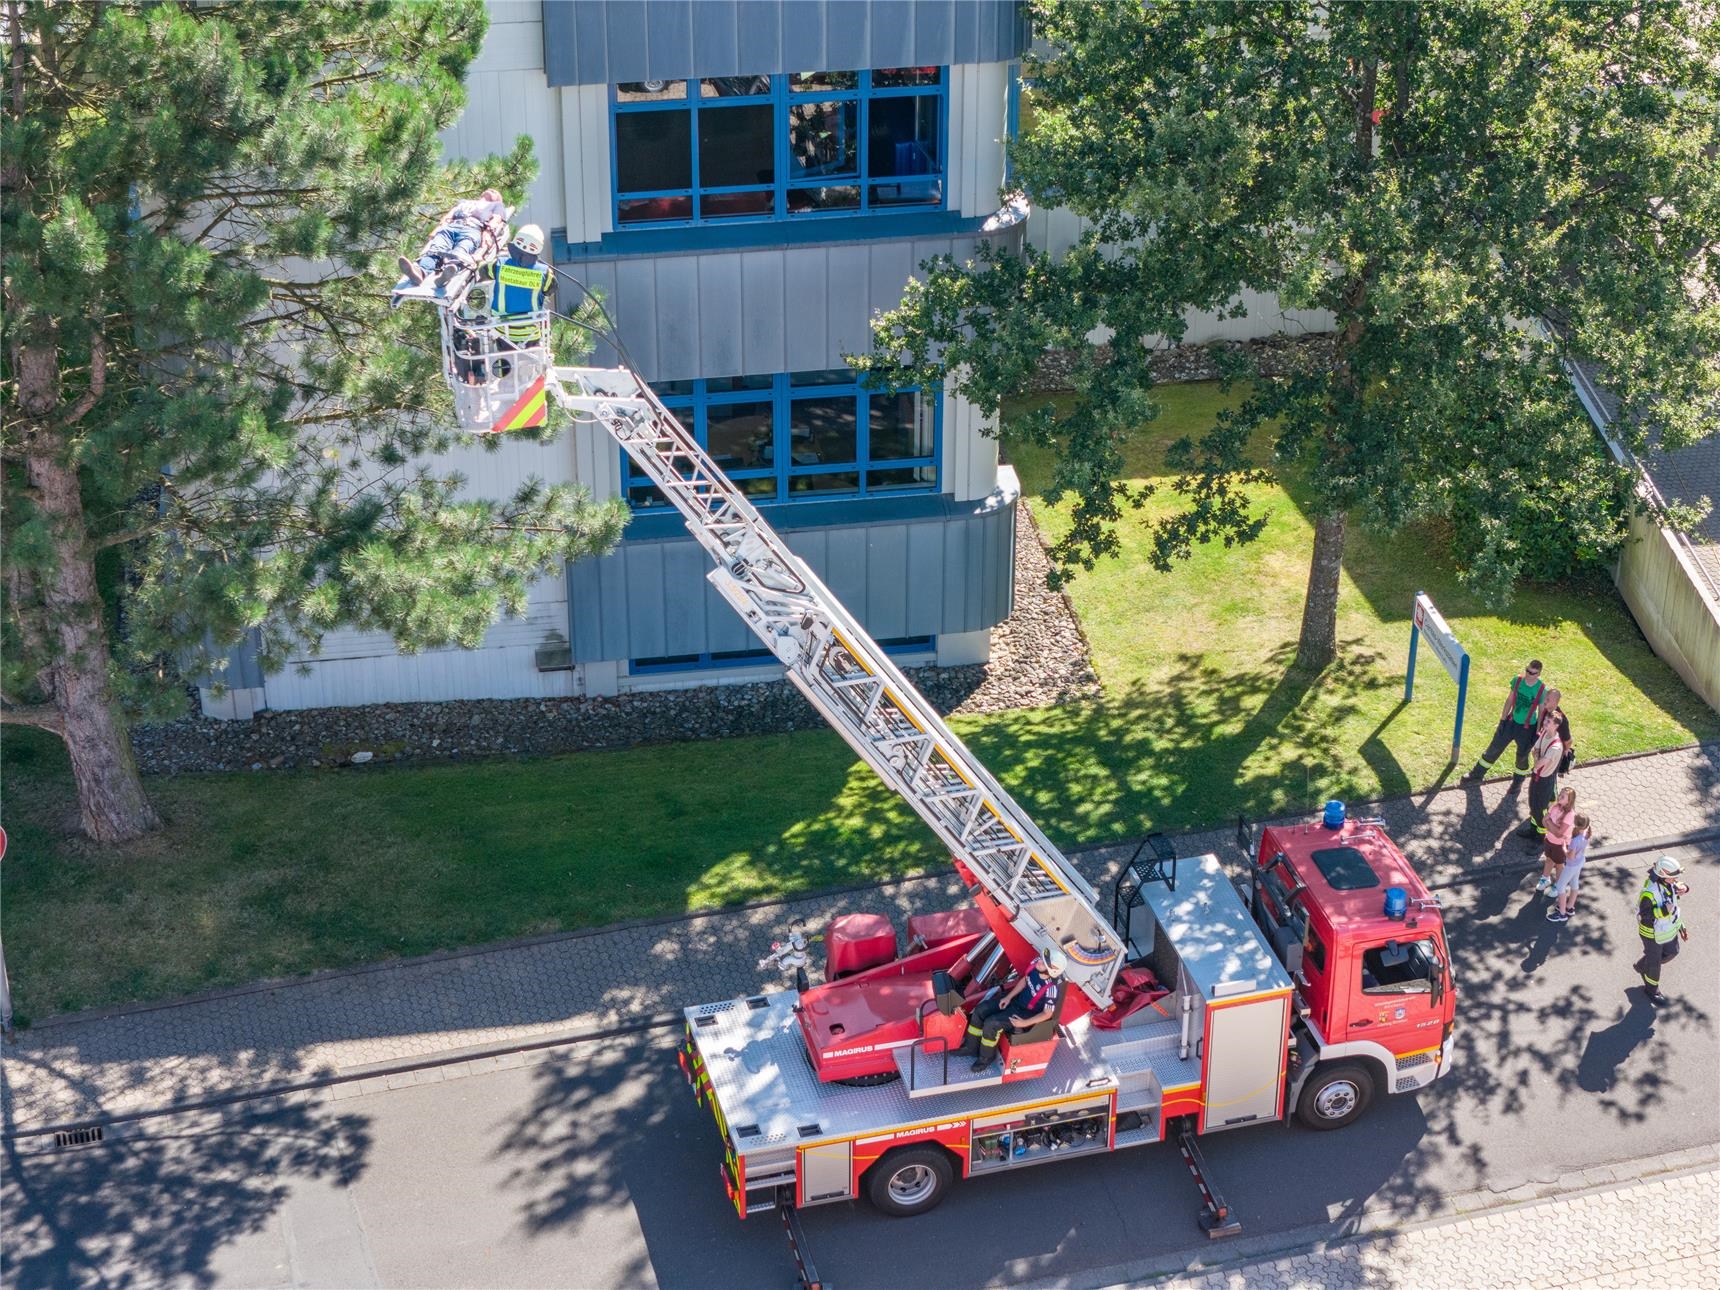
pixel 849 285
pixel 770 310
pixel 803 39
pixel 805 286
pixel 677 316
pixel 590 42
pixel 668 35
pixel 847 35
pixel 765 323
pixel 924 577
pixel 892 33
pixel 887 575
pixel 761 34
pixel 719 302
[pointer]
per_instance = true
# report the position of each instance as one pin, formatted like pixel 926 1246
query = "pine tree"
pixel 1442 178
pixel 213 421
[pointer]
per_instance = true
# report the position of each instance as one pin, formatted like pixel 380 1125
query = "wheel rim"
pixel 912 1185
pixel 1336 1100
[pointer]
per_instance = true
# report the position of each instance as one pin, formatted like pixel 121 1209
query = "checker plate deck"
pixel 762 1078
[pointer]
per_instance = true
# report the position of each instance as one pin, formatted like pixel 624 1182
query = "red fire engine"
pixel 1198 1003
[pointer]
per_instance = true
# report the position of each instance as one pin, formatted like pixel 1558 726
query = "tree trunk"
pixel 1319 640
pixel 111 799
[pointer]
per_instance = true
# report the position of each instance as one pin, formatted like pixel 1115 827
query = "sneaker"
pixel 1557 916
pixel 1542 883
pixel 411 270
pixel 447 274
pixel 1658 999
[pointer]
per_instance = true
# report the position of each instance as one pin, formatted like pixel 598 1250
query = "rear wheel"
pixel 910 1180
pixel 1335 1095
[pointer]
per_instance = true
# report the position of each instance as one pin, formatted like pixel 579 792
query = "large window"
pixel 804 436
pixel 710 662
pixel 773 147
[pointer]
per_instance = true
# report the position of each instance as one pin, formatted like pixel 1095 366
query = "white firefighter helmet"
pixel 1056 962
pixel 1667 867
pixel 529 238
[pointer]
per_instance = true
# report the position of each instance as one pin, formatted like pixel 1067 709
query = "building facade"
pixel 746 182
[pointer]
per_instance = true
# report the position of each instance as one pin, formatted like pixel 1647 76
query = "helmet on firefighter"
pixel 1055 960
pixel 529 238
pixel 1667 867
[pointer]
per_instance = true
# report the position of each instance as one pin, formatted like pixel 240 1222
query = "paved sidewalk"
pixel 1661 1234
pixel 564 986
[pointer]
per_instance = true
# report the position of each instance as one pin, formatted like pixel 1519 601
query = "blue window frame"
pixel 710 662
pixel 805 436
pixel 797 146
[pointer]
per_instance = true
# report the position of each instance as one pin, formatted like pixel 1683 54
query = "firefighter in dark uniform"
pixel 1660 923
pixel 1034 998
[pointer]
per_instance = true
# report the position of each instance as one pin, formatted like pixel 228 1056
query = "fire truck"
pixel 1200 1001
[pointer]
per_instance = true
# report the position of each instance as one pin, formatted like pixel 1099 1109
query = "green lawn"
pixel 259 875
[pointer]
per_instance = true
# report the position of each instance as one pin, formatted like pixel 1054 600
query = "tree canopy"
pixel 1445 180
pixel 212 417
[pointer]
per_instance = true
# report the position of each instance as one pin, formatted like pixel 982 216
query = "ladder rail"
pixel 854 684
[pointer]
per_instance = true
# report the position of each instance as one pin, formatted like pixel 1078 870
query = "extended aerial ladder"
pixel 851 681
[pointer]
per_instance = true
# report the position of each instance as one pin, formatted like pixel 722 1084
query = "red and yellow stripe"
pixel 527 412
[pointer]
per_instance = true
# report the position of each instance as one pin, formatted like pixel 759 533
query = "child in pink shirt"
pixel 1560 822
pixel 1565 890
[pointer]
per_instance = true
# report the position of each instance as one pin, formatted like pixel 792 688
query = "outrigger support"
pixel 803 1265
pixel 1215 1220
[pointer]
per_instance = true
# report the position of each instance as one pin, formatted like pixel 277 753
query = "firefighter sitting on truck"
pixel 1032 999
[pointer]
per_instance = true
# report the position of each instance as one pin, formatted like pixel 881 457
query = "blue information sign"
pixel 1427 621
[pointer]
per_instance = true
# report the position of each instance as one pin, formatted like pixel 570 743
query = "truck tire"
pixel 1335 1095
pixel 910 1180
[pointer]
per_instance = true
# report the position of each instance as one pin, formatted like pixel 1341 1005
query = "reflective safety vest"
pixel 516 295
pixel 1665 904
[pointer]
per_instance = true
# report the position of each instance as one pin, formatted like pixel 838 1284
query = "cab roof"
pixel 1348 870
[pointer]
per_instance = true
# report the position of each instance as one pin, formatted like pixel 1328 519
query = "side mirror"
pixel 1288 947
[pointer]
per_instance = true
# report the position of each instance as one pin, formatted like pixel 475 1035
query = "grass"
pixel 262 875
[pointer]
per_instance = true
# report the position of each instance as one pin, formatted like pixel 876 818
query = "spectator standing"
pixel 1547 754
pixel 1565 890
pixel 1561 822
pixel 1519 722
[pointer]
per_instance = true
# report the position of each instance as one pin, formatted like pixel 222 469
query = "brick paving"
pixel 565 986
pixel 1660 1234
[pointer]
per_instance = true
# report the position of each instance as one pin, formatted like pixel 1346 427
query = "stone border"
pixel 1039 657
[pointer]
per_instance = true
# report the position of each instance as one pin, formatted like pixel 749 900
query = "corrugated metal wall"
pixel 948 573
pixel 777 309
pixel 507 96
pixel 1058 229
pixel 602 41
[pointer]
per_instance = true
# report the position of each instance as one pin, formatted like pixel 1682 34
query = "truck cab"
pixel 1364 942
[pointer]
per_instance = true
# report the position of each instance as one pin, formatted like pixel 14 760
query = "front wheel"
pixel 910 1180
pixel 1335 1095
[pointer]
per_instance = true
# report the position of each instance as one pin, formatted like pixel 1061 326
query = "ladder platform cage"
pixel 1127 894
pixel 496 368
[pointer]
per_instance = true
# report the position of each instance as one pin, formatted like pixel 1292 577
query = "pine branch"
pixel 40 716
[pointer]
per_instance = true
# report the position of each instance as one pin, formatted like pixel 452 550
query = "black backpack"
pixel 1570 757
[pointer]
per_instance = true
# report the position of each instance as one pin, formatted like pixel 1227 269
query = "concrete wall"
pixel 1672 605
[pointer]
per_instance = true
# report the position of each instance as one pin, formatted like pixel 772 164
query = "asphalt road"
pixel 594 1168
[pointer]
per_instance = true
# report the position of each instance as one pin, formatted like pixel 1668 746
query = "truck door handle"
pixel 1356 1025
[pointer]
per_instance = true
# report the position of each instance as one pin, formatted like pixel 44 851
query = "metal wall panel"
pixel 941 574
pixel 782 309
pixel 588 42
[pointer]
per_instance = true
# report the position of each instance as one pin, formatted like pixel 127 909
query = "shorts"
pixel 1554 851
pixel 1568 879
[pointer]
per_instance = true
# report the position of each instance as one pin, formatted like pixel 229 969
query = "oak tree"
pixel 1476 192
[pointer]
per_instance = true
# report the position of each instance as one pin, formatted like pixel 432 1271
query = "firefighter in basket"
pixel 1032 999
pixel 520 286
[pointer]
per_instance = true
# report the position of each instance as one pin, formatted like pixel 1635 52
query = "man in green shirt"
pixel 1518 721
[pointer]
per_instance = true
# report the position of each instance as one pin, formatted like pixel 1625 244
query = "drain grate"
pixel 78 1137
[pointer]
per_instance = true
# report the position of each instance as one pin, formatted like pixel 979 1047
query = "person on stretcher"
pixel 469 235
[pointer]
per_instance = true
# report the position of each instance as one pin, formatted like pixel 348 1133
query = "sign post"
pixel 5 981
pixel 1426 620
